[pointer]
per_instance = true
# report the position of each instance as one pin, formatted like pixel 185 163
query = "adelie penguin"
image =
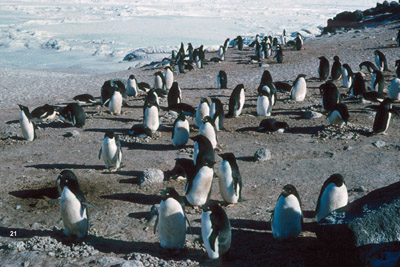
pixel 336 71
pixel 215 230
pixel 267 126
pixel 203 109
pixel 226 44
pixel 264 103
pixel 74 114
pixel 111 151
pixel 171 220
pixel 347 76
pixel 183 169
pixel 368 66
pixel 65 173
pixel 169 77
pixel 267 85
pixel 203 150
pixel 398 38
pixel 174 95
pixel 184 108
pixel 230 180
pixel 299 89
pixel 323 70
pixel 115 105
pixel 394 89
pixel 330 96
pixel 73 209
pixel 150 113
pixel 84 99
pixel 207 129
pixel 236 101
pixel 27 124
pixel 278 54
pixel 217 113
pixel 339 115
pixel 132 86
pixel 198 187
pixel 380 60
pixel 299 42
pixel 108 89
pixel 358 86
pixel 44 113
pixel 239 42
pixel 333 195
pixel 221 53
pixel 159 80
pixel 377 81
pixel 222 80
pixel 383 115
pixel 181 131
pixel 287 218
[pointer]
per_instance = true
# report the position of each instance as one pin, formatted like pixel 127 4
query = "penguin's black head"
pixel 174 85
pixel 158 73
pixel 204 100
pixel 289 189
pixel 302 76
pixel 131 76
pixel 169 192
pixel 68 178
pixel 66 174
pixel 322 58
pixel 227 156
pixel 239 86
pixel 397 64
pixel 337 179
pixel 23 108
pixel 336 58
pixel 109 134
pixel 376 52
pixel 181 117
pixel 208 163
pixel 208 119
pixel 211 206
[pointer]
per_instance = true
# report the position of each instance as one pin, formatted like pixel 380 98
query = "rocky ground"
pixel 120 235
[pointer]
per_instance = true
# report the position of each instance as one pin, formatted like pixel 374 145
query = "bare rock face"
pixel 371 220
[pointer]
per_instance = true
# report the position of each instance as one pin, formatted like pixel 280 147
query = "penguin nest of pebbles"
pixel 349 131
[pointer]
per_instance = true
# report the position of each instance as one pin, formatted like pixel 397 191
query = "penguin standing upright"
pixel 181 131
pixel 230 180
pixel 323 70
pixel 299 90
pixel 264 103
pixel 278 54
pixel 217 113
pixel 377 81
pixel 27 125
pixel 215 230
pixel 132 86
pixel 169 77
pixel 330 96
pixel 222 80
pixel 202 149
pixel 203 109
pixel 190 51
pixel 174 95
pixel 336 71
pixel 198 188
pixel 239 42
pixel 347 76
pixel 398 38
pixel 394 89
pixel 115 104
pixel 236 101
pixel 111 151
pixel 150 112
pixel 74 114
pixel 339 115
pixel 383 115
pixel 180 63
pixel 333 195
pixel 207 129
pixel 159 80
pixel 358 86
pixel 299 42
pixel 397 66
pixel 380 60
pixel 221 53
pixel 283 37
pixel 171 220
pixel 73 209
pixel 287 218
pixel 226 44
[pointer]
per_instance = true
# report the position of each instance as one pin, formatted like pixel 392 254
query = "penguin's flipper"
pixel 212 238
pixel 101 150
pixel 375 107
pixel 395 110
pixel 90 205
pixel 155 225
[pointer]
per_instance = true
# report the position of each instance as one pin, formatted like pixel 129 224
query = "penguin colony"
pixel 208 119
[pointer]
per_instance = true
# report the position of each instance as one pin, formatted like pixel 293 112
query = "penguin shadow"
pixel 135 174
pixel 103 130
pixel 147 146
pixel 42 193
pixel 12 122
pixel 140 215
pixel 251 224
pixel 125 120
pixel 298 114
pixel 53 124
pixel 165 129
pixel 135 198
pixel 221 96
pixel 62 166
pixel 246 159
pixel 306 129
pixel 199 88
pixel 14 137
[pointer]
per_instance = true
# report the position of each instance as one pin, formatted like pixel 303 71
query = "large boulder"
pixel 371 220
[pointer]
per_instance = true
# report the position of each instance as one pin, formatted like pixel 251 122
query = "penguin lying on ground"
pixel 84 99
pixel 44 113
pixel 267 126
pixel 74 114
pixel 183 169
pixel 184 108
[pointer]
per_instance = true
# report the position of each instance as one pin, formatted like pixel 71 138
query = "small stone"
pixel 35 226
pixel 379 144
pixel 262 154
pixel 132 263
pixel 18 207
pixel 348 148
pixel 51 254
pixel 150 176
pixel 308 114
pixel 73 133
pixel 359 189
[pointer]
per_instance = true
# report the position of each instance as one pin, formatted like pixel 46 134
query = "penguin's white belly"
pixel 169 79
pixel 158 84
pixel 226 183
pixel 335 118
pixel 109 154
pixel 286 222
pixel 263 106
pixel 151 120
pixel 73 214
pixel 195 152
pixel 299 90
pixel 332 198
pixel 221 54
pixel 202 110
pixel 239 106
pixel 115 103
pixel 394 89
pixel 378 63
pixel 181 133
pixel 345 77
pixel 206 229
pixel 201 186
pixel 198 62
pixel 217 122
pixel 131 89
pixel 171 224
pixel 27 127
pixel 388 122
pixel 218 82
pixel 208 131
pixel 213 109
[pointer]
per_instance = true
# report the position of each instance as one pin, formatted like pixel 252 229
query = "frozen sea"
pixel 93 36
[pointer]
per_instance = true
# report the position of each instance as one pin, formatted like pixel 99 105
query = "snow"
pixel 96 35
